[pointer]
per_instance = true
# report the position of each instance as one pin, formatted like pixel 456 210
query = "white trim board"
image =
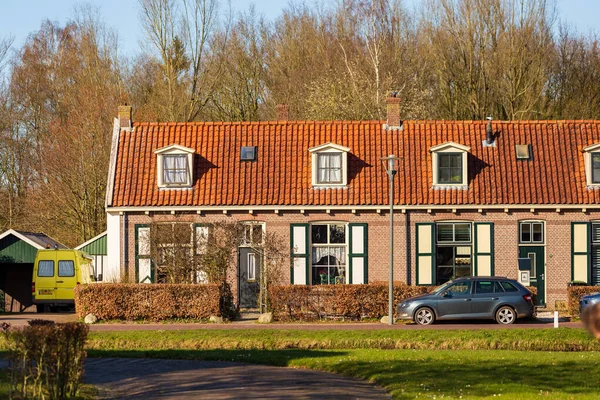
pixel 23 238
pixel 349 208
pixel 112 166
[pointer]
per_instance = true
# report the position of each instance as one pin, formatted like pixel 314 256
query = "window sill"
pixel 593 186
pixel 440 186
pixel 175 187
pixel 329 186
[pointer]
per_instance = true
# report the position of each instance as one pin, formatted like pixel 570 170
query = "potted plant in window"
pixel 323 276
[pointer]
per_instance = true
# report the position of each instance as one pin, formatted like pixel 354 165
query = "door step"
pixel 248 315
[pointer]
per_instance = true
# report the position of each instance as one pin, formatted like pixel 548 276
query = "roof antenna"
pixel 489 134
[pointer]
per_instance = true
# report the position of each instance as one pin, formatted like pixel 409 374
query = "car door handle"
pixel 495 298
pixel 467 299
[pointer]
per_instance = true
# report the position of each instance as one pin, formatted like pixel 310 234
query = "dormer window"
pixel 450 169
pixel 596 168
pixel 450 165
pixel 591 157
pixel 175 169
pixel 174 166
pixel 329 165
pixel 329 168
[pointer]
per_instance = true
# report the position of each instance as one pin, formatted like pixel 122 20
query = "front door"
pixel 537 255
pixel 248 277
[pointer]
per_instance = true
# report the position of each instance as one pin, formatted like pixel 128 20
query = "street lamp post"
pixel 391 167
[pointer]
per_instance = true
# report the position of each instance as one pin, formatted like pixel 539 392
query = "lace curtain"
pixel 175 169
pixel 330 168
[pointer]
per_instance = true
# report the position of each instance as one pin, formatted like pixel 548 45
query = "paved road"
pixel 183 379
pixel 21 319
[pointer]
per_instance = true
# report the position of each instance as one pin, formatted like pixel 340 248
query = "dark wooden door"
pixel 248 277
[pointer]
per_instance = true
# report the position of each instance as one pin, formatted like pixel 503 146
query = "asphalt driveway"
pixel 118 378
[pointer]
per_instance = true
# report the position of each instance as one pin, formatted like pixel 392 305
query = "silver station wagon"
pixel 479 297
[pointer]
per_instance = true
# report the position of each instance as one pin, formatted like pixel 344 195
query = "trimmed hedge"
pixel 45 359
pixel 574 293
pixel 154 302
pixel 299 302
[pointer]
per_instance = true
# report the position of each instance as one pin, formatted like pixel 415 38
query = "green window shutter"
pixel 144 270
pixel 580 251
pixel 425 243
pixel 299 254
pixel 483 257
pixel 358 269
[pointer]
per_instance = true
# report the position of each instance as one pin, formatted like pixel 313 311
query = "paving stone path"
pixel 119 378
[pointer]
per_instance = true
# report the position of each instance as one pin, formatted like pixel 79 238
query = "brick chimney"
pixel 393 120
pixel 283 112
pixel 125 116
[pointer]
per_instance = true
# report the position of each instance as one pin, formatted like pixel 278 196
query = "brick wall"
pixel 557 238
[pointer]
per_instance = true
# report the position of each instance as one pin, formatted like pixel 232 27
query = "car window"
pixel 459 288
pixel 484 287
pixel 498 287
pixel 509 287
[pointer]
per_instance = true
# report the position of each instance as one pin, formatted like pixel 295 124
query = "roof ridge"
pixel 367 122
pixel 270 122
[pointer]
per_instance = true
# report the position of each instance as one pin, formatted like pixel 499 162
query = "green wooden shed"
pixel 17 254
pixel 96 247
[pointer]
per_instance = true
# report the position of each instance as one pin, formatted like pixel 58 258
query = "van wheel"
pixel 39 308
pixel 506 315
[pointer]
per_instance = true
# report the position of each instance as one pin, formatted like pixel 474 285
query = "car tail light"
pixel 527 298
pixel 32 287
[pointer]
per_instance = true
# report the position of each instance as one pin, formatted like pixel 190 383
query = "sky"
pixel 19 18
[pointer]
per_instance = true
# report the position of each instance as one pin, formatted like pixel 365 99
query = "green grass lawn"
pixel 563 339
pixel 409 364
pixel 510 364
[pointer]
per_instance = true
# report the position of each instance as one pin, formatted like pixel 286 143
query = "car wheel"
pixel 506 315
pixel 424 316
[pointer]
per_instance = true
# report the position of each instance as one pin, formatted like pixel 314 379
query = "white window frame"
pixel 162 247
pixel 329 148
pixel 345 244
pixel 174 150
pixel 450 147
pixel 456 244
pixel 531 242
pixel 587 159
pixel 248 228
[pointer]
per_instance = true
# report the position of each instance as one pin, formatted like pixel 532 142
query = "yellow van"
pixel 55 274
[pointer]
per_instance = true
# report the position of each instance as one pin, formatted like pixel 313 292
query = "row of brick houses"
pixel 471 197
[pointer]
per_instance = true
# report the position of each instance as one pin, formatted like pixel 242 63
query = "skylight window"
pixel 248 153
pixel 523 152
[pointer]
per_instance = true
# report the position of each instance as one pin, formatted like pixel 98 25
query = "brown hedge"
pixel 574 293
pixel 295 302
pixel 156 302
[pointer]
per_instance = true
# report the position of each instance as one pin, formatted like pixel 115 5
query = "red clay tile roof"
pixel 282 173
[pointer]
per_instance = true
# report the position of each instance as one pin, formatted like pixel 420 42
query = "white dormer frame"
pixel 174 150
pixel 450 147
pixel 587 159
pixel 329 148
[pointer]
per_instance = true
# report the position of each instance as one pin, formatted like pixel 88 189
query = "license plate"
pixel 46 291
